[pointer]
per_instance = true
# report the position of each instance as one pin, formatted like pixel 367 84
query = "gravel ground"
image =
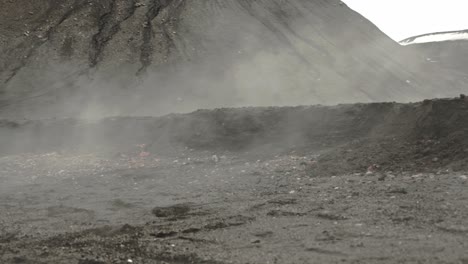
pixel 378 183
pixel 200 208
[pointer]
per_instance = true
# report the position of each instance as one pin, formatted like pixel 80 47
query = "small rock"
pixel 464 177
pixel 398 191
pixel 255 241
pixel 178 210
pixel 215 158
pixel 331 216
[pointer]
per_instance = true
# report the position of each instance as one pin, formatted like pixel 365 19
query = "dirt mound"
pixel 348 137
pixel 432 136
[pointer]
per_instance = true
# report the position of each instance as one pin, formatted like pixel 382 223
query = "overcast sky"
pixel 401 19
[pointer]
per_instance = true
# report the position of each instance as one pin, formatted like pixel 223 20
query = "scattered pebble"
pixel 398 190
pixel 419 175
pixel 255 241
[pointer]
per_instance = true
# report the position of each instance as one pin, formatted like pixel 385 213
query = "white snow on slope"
pixel 449 36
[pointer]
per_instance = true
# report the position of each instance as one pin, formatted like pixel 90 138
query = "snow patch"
pixel 452 36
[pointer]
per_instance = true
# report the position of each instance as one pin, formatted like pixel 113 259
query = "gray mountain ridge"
pixel 118 57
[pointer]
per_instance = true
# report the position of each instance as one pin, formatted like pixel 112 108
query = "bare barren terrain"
pixel 369 183
pixel 104 157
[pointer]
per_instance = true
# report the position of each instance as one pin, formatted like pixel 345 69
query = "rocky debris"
pixel 174 211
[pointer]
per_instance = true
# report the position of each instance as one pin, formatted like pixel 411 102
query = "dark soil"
pixel 370 183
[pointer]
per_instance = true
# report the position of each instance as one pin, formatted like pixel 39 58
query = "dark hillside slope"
pixel 448 50
pixel 450 56
pixel 111 57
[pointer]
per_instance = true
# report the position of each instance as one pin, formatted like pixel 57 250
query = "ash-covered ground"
pixel 363 183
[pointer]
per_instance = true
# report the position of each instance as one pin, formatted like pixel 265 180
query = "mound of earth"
pixel 393 136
